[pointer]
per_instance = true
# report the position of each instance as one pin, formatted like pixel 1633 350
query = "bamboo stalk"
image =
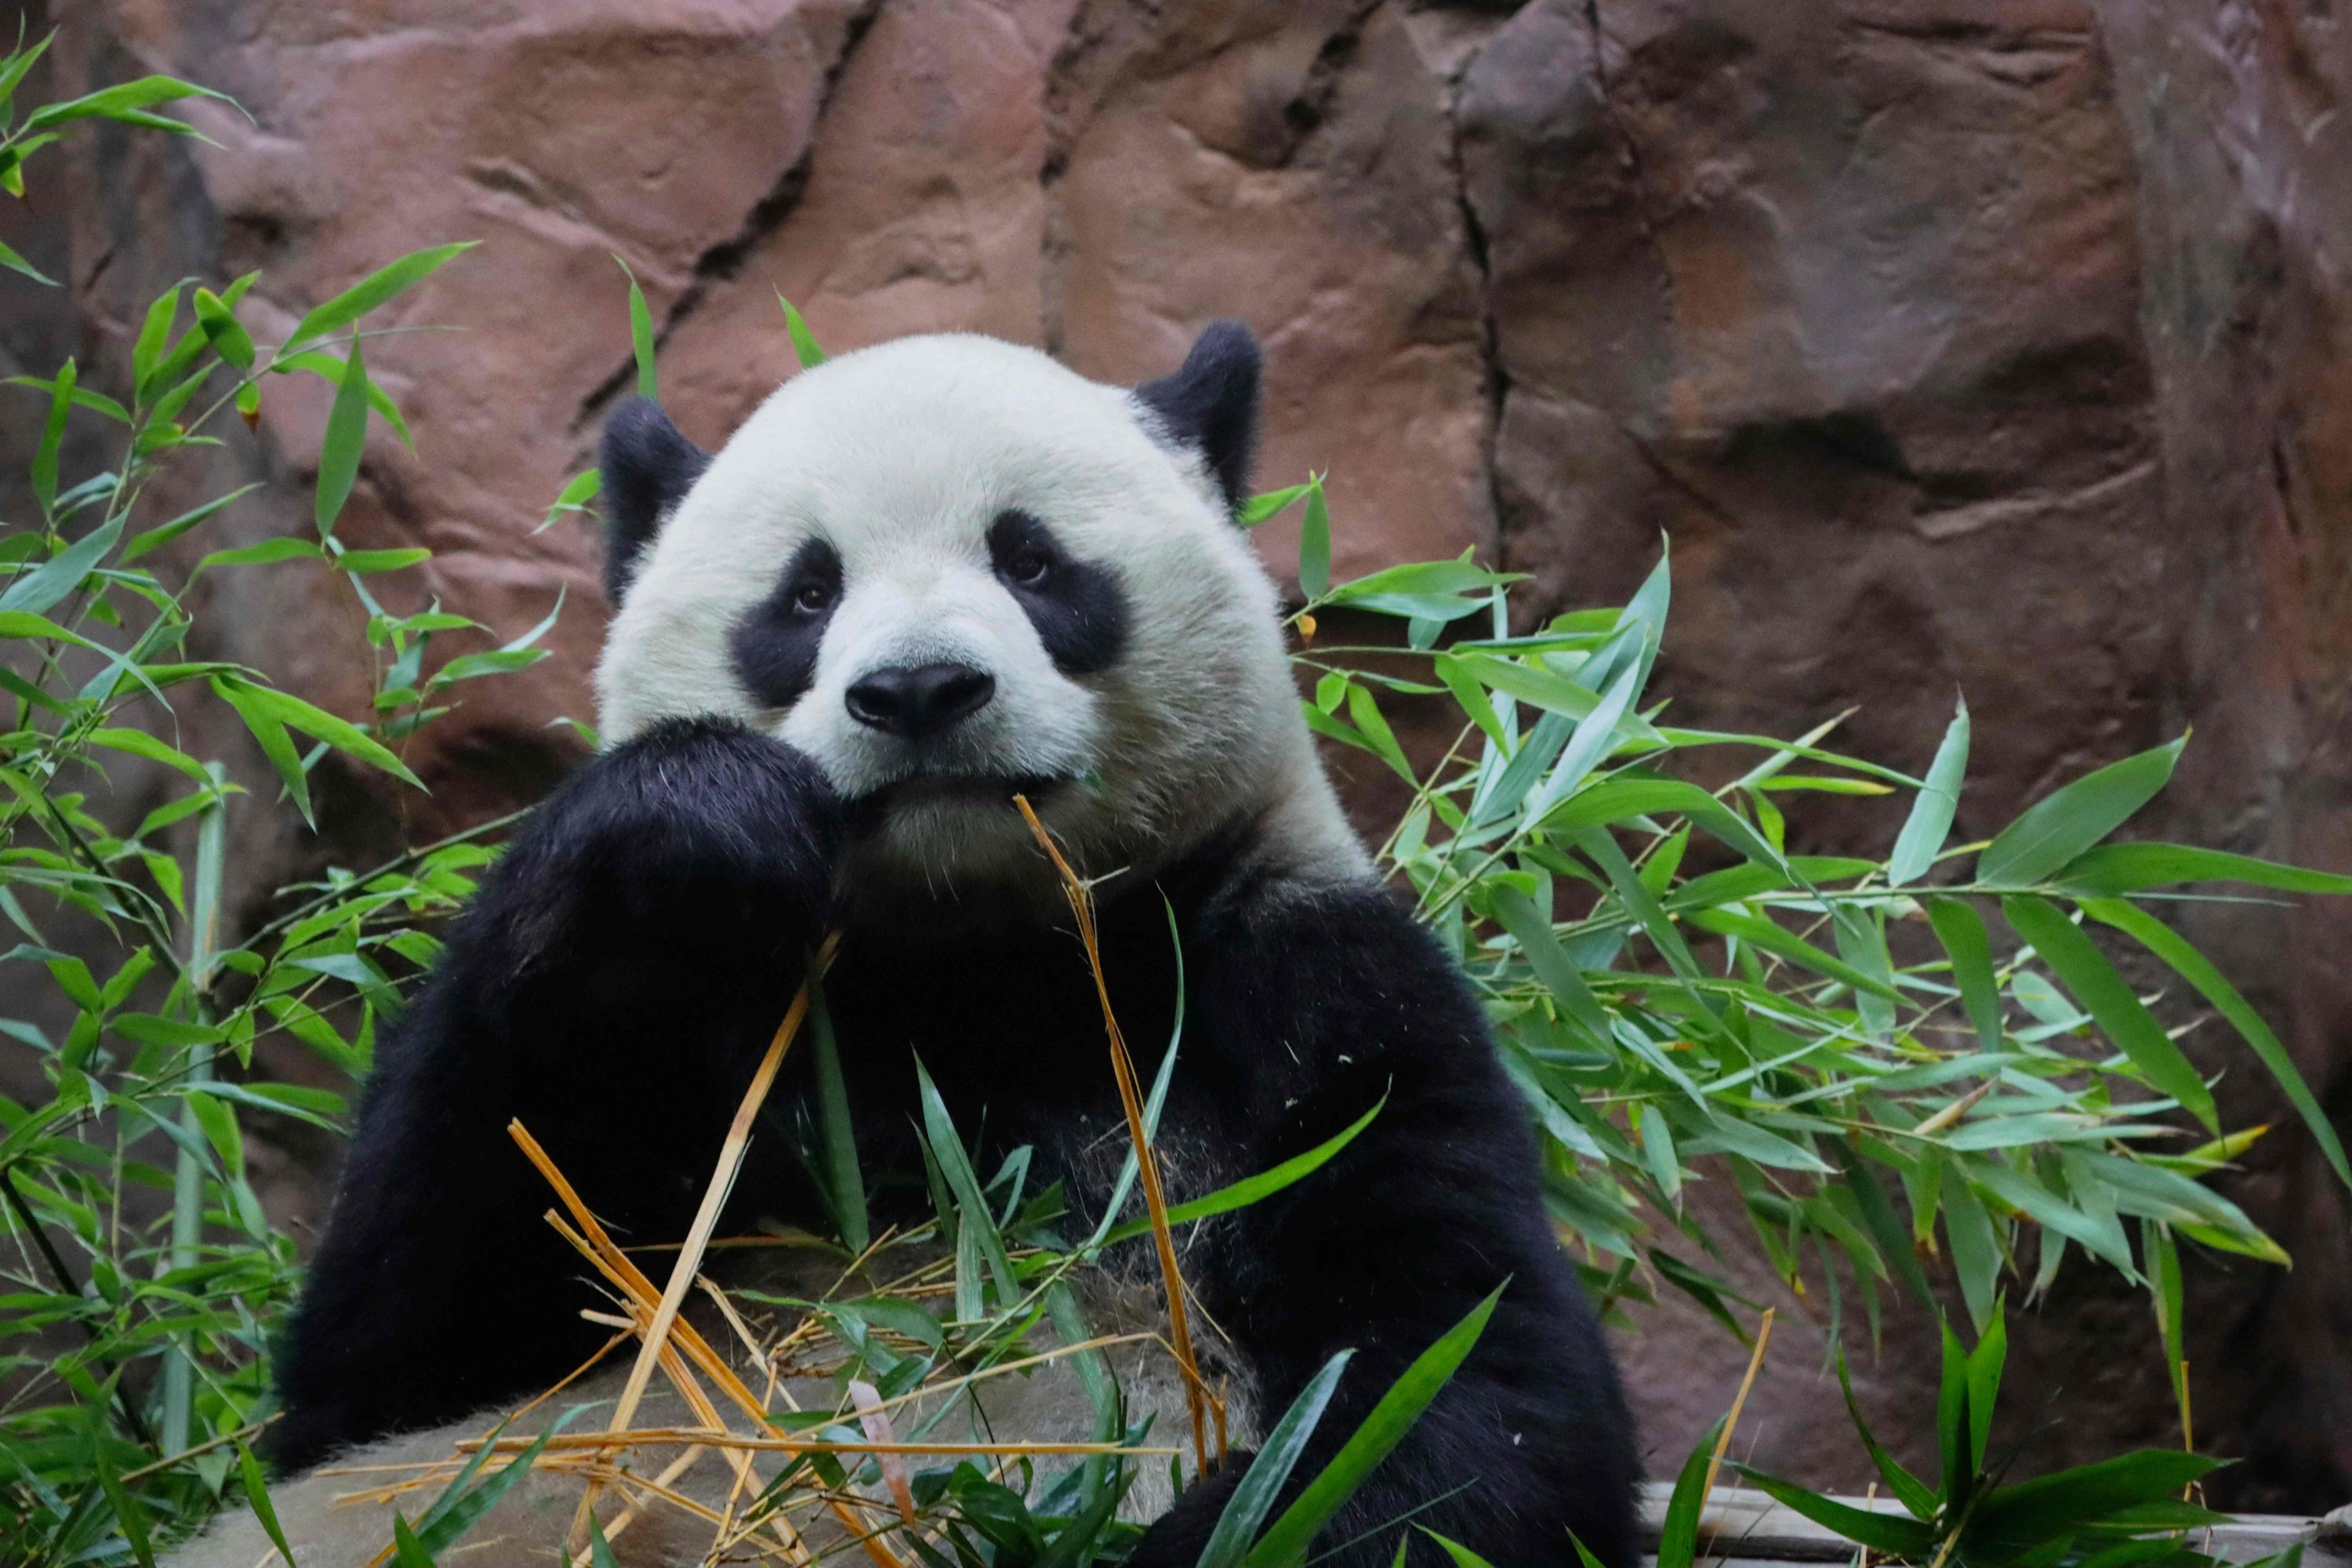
pixel 1723 1438
pixel 1197 1397
pixel 679 1437
pixel 188 1171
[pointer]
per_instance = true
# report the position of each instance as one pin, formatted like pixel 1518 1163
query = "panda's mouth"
pixel 950 790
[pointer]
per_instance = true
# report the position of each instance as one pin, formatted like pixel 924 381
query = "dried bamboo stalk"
pixel 1197 1397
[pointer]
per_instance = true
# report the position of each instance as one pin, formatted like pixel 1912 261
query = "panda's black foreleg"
pixel 611 986
pixel 1311 1005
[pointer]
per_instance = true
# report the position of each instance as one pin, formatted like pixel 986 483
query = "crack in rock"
pixel 1643 198
pixel 723 261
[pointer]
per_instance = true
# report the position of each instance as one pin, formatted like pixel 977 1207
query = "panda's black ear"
pixel 1211 403
pixel 647 469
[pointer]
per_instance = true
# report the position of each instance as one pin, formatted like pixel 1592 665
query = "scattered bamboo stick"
pixel 875 1424
pixel 714 1196
pixel 1730 1422
pixel 678 1437
pixel 1197 1397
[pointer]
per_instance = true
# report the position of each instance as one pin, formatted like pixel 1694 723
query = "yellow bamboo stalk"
pixel 1197 1397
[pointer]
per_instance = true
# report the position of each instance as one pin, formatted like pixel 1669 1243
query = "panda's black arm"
pixel 610 985
pixel 1311 1005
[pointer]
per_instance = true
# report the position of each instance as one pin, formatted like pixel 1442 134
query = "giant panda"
pixel 920 577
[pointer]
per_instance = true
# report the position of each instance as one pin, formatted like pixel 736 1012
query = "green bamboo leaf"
pixel 2086 972
pixel 2117 868
pixel 128 1516
pixel 407 1552
pixel 2162 1266
pixel 1266 1183
pixel 1930 821
pixel 2053 832
pixel 2036 1510
pixel 1759 932
pixel 50 582
pixel 1962 932
pixel 1984 1385
pixel 1909 1490
pixel 53 434
pixel 331 369
pixel 140 743
pixel 83 397
pixel 1903 1538
pixel 124 101
pixel 1976 1254
pixel 267 553
pixel 1519 916
pixel 154 331
pixel 1678 1531
pixel 975 1220
pixel 582 489
pixel 1287 1539
pixel 804 347
pixel 1254 1499
pixel 1462 1556
pixel 2192 966
pixel 1952 1420
pixel 340 734
pixel 1264 508
pixel 2047 1209
pixel 15 262
pixel 18 62
pixel 339 453
pixel 370 292
pixel 641 335
pixel 223 331
pixel 844 1176
pixel 163 533
pixel 358 563
pixel 1622 799
pixel 257 1493
pixel 269 734
pixel 1315 544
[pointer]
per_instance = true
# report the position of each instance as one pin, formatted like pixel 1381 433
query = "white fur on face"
pixel 900 457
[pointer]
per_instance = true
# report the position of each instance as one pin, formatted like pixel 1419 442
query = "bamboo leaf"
pixel 1266 1183
pixel 2194 967
pixel 1315 544
pixel 641 336
pixel 1287 1539
pixel 804 346
pixel 1930 821
pixel 370 292
pixel 1254 1499
pixel 2085 971
pixel 2053 832
pixel 339 453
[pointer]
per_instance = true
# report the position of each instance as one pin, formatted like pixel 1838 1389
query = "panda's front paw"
pixel 707 802
pixel 1177 1538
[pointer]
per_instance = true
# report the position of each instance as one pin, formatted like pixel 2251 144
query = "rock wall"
pixel 1995 345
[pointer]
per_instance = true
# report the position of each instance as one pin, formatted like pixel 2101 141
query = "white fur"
pixel 901 456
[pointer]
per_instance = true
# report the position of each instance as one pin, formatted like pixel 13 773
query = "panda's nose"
pixel 916 700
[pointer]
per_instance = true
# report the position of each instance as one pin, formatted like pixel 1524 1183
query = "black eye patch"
pixel 1077 606
pixel 775 643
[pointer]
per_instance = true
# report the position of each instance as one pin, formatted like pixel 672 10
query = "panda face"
pixel 949 569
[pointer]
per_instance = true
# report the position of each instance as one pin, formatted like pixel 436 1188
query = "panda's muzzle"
pixel 918 702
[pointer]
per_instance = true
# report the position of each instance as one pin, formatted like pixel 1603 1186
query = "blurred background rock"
pixel 1998 345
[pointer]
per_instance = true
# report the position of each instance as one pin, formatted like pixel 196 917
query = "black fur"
pixel 627 960
pixel 774 646
pixel 1076 606
pixel 1211 403
pixel 647 468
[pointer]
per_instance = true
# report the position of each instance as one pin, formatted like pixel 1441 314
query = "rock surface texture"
pixel 1998 345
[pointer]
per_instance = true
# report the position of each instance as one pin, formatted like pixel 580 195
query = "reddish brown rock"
pixel 1995 345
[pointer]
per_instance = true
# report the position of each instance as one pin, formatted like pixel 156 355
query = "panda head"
pixel 948 569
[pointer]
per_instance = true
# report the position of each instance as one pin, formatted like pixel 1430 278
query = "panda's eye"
pixel 1028 564
pixel 812 597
